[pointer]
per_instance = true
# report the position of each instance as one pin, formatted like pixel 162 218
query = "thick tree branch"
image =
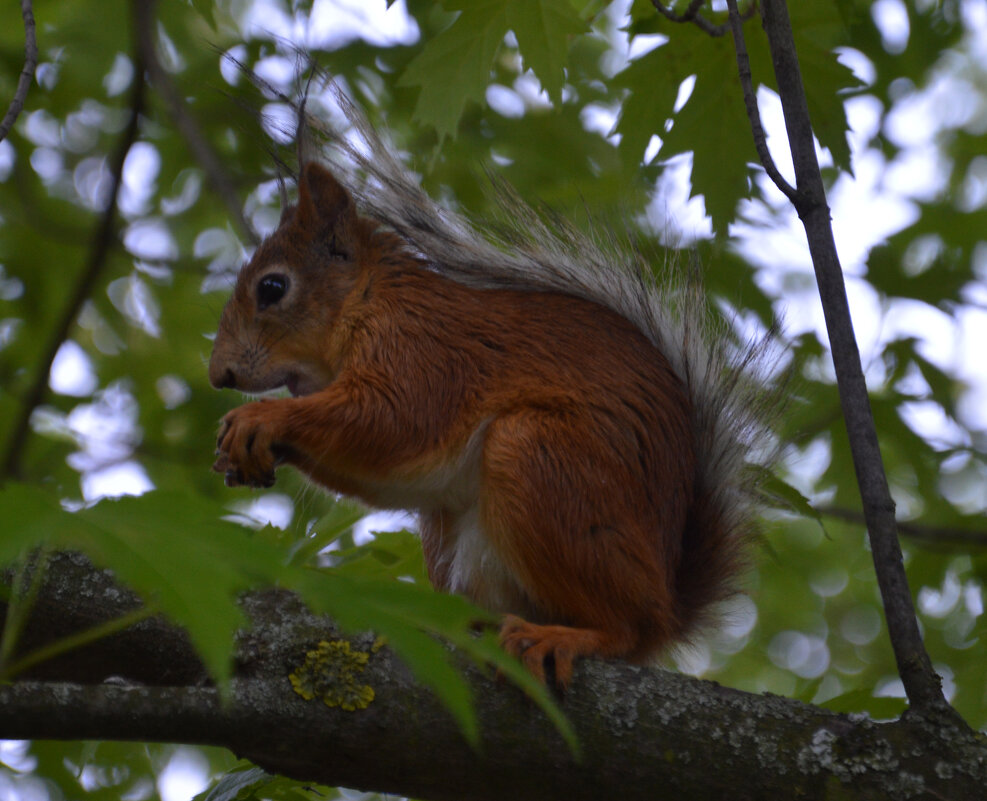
pixel 27 74
pixel 185 122
pixel 651 736
pixel 921 683
pixel 646 734
pixel 104 237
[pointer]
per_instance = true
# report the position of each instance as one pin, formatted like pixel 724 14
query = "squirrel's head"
pixel 277 328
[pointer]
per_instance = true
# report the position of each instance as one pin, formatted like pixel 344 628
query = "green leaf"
pixel 205 10
pixel 455 66
pixel 330 527
pixel 818 28
pixel 404 613
pixel 713 125
pixel 652 84
pixel 390 554
pixel 234 785
pixel 250 783
pixel 175 552
pixel 786 496
pixel 826 82
pixel 543 29
pixel 410 615
pixel 951 238
pixel 171 548
pixel 175 545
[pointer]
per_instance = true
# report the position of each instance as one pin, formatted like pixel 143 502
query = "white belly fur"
pixel 476 569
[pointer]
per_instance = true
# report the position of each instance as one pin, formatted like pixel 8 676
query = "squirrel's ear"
pixel 322 201
pixel 287 208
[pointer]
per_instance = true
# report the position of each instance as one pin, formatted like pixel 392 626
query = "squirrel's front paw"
pixel 244 446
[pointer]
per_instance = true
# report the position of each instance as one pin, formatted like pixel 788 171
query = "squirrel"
pixel 572 438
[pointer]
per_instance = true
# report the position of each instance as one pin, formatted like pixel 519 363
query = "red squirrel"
pixel 573 466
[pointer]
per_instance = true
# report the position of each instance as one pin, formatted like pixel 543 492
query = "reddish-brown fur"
pixel 544 440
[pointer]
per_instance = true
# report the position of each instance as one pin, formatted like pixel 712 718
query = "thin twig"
pixel 928 535
pixel 750 102
pixel 922 686
pixel 187 125
pixel 691 14
pixel 687 16
pixel 103 240
pixel 27 74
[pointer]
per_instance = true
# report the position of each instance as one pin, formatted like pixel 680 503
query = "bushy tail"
pixel 529 248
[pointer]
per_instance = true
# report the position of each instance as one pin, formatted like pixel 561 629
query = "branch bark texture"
pixel 645 734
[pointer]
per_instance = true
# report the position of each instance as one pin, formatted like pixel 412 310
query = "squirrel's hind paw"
pixel 535 645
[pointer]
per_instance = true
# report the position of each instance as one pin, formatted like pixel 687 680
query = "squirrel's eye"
pixel 271 289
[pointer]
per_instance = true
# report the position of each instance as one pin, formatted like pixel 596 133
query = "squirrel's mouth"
pixel 301 383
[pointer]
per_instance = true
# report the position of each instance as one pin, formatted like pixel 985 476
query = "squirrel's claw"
pixel 539 647
pixel 243 448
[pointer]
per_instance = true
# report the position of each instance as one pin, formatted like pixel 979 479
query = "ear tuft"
pixel 287 208
pixel 322 201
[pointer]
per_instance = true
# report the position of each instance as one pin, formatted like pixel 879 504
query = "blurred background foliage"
pixel 601 110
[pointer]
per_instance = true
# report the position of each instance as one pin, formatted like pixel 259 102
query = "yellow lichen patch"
pixel 331 673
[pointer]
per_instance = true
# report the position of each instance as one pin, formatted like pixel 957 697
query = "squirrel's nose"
pixel 228 381
pixel 221 376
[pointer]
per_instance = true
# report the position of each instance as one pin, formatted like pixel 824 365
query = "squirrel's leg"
pixel 582 534
pixel 348 437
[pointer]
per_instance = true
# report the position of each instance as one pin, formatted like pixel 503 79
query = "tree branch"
pixel 27 74
pixel 202 151
pixel 646 734
pixel 687 16
pixel 750 102
pixel 653 737
pixel 922 685
pixel 691 14
pixel 103 241
pixel 929 535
